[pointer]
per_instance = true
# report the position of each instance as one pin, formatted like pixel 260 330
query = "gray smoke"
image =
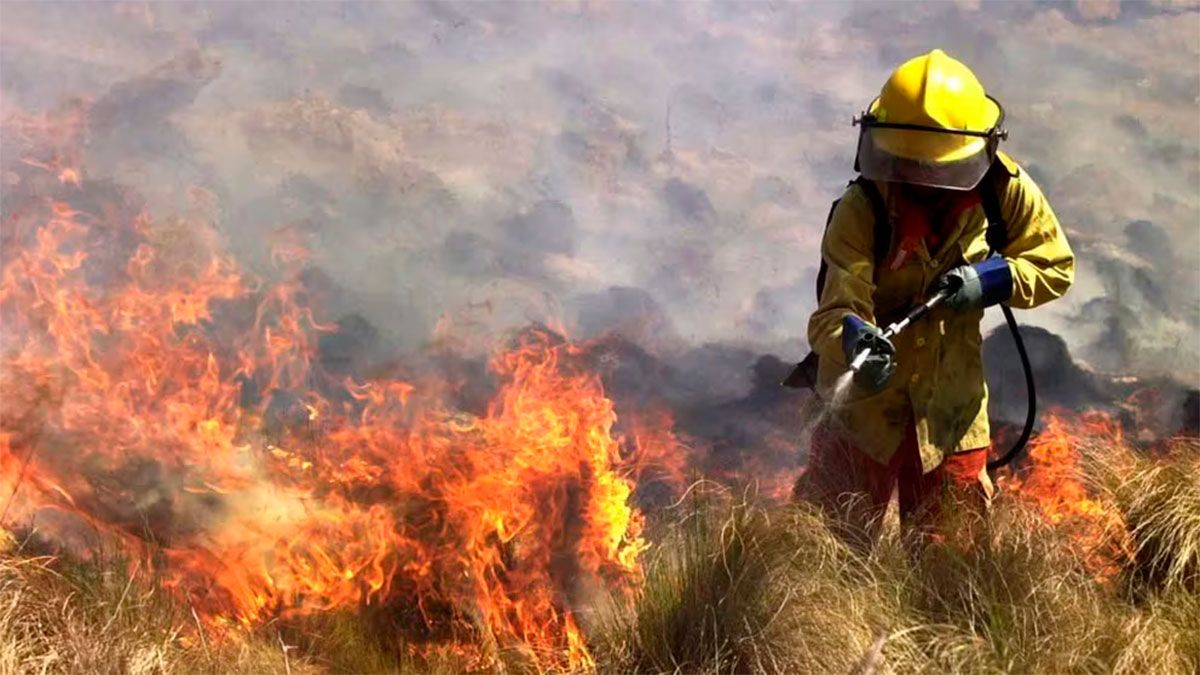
pixel 662 170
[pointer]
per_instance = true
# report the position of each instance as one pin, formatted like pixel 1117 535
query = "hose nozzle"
pixel 891 331
pixel 859 360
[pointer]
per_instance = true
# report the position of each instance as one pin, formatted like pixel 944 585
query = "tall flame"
pixel 171 404
pixel 1052 480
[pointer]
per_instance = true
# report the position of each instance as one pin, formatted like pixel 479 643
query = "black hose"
pixel 1031 395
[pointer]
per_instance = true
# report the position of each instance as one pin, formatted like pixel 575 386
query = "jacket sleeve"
pixel 847 250
pixel 1041 260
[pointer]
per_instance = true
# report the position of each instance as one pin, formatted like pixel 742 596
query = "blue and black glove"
pixel 858 335
pixel 976 286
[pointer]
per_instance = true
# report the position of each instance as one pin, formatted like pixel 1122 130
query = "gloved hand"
pixel 858 335
pixel 976 286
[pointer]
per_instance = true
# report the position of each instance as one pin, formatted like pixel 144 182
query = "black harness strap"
pixel 882 226
pixel 994 184
pixel 804 375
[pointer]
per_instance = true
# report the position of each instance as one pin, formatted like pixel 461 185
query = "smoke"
pixel 662 171
pixel 1149 408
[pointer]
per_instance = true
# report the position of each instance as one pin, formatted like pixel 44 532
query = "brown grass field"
pixel 733 586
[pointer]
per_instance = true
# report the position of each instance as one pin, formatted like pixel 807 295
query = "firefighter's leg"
pixel 850 488
pixel 948 499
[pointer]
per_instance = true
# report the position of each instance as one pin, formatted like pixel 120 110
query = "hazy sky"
pixel 501 162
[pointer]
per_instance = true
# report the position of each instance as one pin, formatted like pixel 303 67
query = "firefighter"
pixel 915 417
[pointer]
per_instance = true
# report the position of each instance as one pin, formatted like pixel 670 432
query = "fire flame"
pixel 171 403
pixel 1052 481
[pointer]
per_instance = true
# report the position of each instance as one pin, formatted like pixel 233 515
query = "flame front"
pixel 165 400
pixel 1053 481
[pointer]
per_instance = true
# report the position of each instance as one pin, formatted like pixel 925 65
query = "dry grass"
pixel 737 588
pixel 1014 597
pixel 741 588
pixel 1160 501
pixel 61 615
pixel 732 586
pixel 64 616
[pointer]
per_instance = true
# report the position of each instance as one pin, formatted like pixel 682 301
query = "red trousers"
pixel 855 490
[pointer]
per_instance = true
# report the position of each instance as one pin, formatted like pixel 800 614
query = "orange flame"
pixel 148 406
pixel 1052 480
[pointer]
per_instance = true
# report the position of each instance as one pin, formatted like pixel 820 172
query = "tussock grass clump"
pixel 734 587
pixel 1162 635
pixel 374 640
pixel 1159 498
pixel 1013 588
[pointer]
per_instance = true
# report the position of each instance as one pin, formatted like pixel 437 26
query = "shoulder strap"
pixel 993 185
pixel 883 223
pixel 881 226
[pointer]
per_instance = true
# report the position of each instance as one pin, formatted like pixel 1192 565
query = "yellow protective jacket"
pixel 939 382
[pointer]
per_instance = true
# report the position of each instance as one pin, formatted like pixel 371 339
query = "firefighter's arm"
pixel 1038 254
pixel 847 250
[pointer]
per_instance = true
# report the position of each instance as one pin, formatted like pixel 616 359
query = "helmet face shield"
pixel 937 157
pixel 877 163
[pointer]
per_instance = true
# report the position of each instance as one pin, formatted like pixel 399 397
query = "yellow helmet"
pixel 932 124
